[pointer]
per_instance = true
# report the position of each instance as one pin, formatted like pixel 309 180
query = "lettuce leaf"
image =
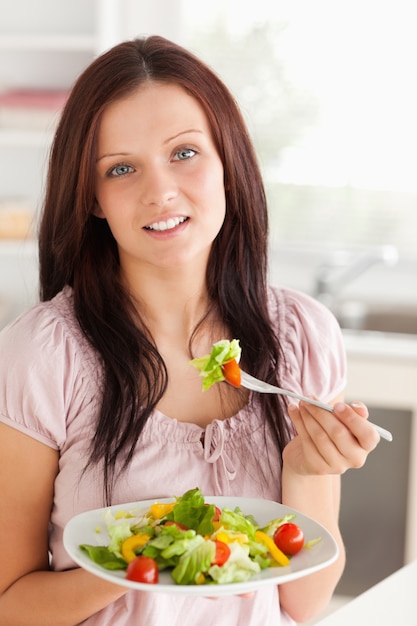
pixel 272 526
pixel 238 568
pixel 118 533
pixel 210 366
pixel 236 520
pixel 191 511
pixel 120 528
pixel 167 550
pixel 194 562
pixel 104 557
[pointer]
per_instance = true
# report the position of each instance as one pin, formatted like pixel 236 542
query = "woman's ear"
pixel 97 211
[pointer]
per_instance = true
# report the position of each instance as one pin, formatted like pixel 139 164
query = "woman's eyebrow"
pixel 183 132
pixel 112 155
pixel 125 154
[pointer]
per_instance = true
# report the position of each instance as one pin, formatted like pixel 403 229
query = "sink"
pixel 391 322
pixel 361 317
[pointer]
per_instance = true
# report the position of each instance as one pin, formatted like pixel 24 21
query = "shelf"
pixel 25 138
pixel 44 46
pixel 18 247
pixel 48 42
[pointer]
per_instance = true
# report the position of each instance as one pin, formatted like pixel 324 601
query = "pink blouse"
pixel 50 390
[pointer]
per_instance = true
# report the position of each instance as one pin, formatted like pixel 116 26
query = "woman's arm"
pixel 326 445
pixel 30 593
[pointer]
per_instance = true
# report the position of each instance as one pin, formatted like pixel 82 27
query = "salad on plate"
pixel 196 541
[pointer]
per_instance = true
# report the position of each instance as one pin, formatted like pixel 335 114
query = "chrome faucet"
pixel 345 266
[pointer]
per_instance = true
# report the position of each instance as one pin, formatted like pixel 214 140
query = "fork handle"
pixel 251 383
pixel 385 434
pixel 267 388
pixel 322 405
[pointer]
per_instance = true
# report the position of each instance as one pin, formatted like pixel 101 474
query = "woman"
pixel 153 245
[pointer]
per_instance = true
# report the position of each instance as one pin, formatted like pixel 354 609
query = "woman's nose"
pixel 157 186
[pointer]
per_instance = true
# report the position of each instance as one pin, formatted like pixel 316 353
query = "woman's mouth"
pixel 169 224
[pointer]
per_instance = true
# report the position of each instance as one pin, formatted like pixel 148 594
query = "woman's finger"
pixel 342 439
pixel 353 419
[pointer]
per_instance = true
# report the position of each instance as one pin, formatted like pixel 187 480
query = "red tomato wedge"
pixel 143 569
pixel 222 553
pixel 231 372
pixel 217 513
pixel 289 538
pixel 177 524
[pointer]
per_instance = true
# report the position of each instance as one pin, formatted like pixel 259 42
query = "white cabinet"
pixel 380 498
pixel 44 45
pixel 383 373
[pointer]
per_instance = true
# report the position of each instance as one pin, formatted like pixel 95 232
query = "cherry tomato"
pixel 231 372
pixel 177 524
pixel 289 538
pixel 222 553
pixel 143 569
pixel 217 512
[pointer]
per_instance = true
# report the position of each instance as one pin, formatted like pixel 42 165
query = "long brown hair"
pixel 78 249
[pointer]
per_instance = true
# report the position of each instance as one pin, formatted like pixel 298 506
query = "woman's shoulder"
pixel 47 328
pixel 293 310
pixel 311 342
pixel 48 371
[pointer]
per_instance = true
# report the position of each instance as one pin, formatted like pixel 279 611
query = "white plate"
pixel 82 529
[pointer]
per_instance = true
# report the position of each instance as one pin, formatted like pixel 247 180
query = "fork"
pixel 254 384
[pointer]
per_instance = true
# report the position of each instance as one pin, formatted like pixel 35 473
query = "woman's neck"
pixel 170 300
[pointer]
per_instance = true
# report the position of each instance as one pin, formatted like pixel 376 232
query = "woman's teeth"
pixel 172 222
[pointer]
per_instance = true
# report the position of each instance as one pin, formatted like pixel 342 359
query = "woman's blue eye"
pixel 120 170
pixel 183 154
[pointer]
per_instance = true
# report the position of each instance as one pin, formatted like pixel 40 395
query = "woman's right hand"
pixel 329 443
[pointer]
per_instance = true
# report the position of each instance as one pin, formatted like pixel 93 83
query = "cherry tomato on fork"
pixel 231 372
pixel 289 538
pixel 143 569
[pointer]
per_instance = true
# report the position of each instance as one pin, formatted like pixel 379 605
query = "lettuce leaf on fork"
pixel 210 366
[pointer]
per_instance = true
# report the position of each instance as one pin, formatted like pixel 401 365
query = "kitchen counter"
pixel 392 601
pixel 397 346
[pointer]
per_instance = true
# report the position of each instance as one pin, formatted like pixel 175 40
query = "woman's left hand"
pixel 329 443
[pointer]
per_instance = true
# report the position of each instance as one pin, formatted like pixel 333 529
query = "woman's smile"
pixel 169 224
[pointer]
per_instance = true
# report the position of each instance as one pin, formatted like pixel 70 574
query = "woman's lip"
pixel 168 224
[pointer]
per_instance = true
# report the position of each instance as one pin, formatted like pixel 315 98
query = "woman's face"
pixel 159 179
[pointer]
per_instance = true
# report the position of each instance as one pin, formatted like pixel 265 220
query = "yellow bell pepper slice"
pixel 122 514
pixel 200 579
pixel 274 551
pixel 130 544
pixel 159 510
pixel 230 536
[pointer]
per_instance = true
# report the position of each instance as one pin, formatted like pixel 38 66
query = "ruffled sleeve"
pixel 312 343
pixel 43 373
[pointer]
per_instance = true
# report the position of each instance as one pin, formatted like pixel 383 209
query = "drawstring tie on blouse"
pixel 215 453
